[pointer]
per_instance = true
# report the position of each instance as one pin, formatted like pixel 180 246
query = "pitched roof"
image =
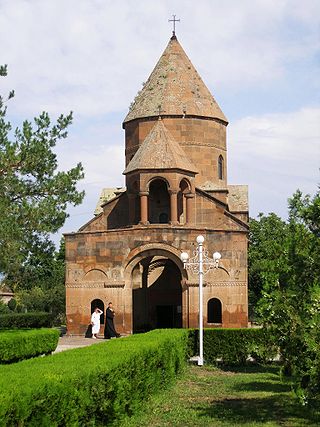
pixel 160 151
pixel 176 88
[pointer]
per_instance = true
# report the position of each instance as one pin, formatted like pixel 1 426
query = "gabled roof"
pixel 160 151
pixel 175 88
pixel 233 218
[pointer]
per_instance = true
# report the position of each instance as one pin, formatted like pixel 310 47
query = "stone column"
pixel 173 207
pixel 144 207
pixel 190 208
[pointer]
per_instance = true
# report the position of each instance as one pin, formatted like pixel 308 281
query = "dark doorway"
pixel 98 303
pixel 167 316
pixel 214 311
pixel 157 295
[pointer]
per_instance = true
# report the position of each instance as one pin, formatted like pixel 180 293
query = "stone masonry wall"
pixel 98 266
pixel 202 140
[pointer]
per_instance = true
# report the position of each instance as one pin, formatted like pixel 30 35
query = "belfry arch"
pixel 184 188
pixel 159 202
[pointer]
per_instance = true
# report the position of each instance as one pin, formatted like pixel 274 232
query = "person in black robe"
pixel 109 329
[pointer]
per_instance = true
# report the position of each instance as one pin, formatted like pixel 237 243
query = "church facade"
pixel 176 189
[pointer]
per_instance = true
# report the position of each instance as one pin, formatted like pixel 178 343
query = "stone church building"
pixel 176 188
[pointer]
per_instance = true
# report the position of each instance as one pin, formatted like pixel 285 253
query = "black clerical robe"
pixel 109 329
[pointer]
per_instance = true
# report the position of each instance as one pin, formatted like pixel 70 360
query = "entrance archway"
pixel 157 294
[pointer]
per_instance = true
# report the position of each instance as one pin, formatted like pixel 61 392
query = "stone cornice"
pixel 215 284
pixel 90 285
pixel 137 227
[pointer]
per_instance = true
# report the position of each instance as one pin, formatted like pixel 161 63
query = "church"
pixel 176 188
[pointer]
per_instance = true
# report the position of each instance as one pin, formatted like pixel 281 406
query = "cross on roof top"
pixel 160 111
pixel 174 20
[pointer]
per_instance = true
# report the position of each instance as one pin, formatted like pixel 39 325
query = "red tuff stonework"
pixel 176 188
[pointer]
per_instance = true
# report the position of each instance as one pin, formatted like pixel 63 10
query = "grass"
pixel 207 396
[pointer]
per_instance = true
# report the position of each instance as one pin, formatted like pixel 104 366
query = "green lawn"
pixel 206 396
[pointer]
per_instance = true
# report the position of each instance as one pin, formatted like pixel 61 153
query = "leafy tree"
pixel 268 257
pixel 304 286
pixel 33 194
pixel 284 269
pixel 40 282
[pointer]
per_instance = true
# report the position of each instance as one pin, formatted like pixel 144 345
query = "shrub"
pixel 93 385
pixel 25 320
pixel 263 347
pixel 12 304
pixel 4 309
pixel 233 346
pixel 18 345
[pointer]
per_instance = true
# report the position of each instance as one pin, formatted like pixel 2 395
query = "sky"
pixel 259 58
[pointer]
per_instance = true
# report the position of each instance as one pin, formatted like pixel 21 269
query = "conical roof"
pixel 160 151
pixel 176 88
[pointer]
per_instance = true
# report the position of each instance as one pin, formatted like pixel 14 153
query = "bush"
pixel 233 346
pixel 42 299
pixel 12 304
pixel 4 309
pixel 93 385
pixel 264 345
pixel 26 320
pixel 19 345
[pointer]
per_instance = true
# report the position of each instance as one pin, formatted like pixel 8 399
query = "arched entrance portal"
pixel 157 294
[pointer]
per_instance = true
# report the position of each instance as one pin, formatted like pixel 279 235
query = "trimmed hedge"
pixel 18 345
pixel 26 320
pixel 93 385
pixel 234 346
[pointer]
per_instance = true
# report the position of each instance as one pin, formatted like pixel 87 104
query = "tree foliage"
pixel 284 277
pixel 34 194
pixel 40 282
pixel 268 256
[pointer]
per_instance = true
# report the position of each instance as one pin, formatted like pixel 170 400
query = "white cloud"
pixel 100 149
pixel 275 154
pixel 280 135
pixel 92 56
pixel 103 166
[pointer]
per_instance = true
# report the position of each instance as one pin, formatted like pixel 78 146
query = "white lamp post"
pixel 200 264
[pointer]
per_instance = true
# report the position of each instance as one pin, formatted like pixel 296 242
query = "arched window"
pixel 98 303
pixel 214 311
pixel 159 202
pixel 184 188
pixel 220 167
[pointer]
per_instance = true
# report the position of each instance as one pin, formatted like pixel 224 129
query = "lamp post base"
pixel 200 361
pixel 196 359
